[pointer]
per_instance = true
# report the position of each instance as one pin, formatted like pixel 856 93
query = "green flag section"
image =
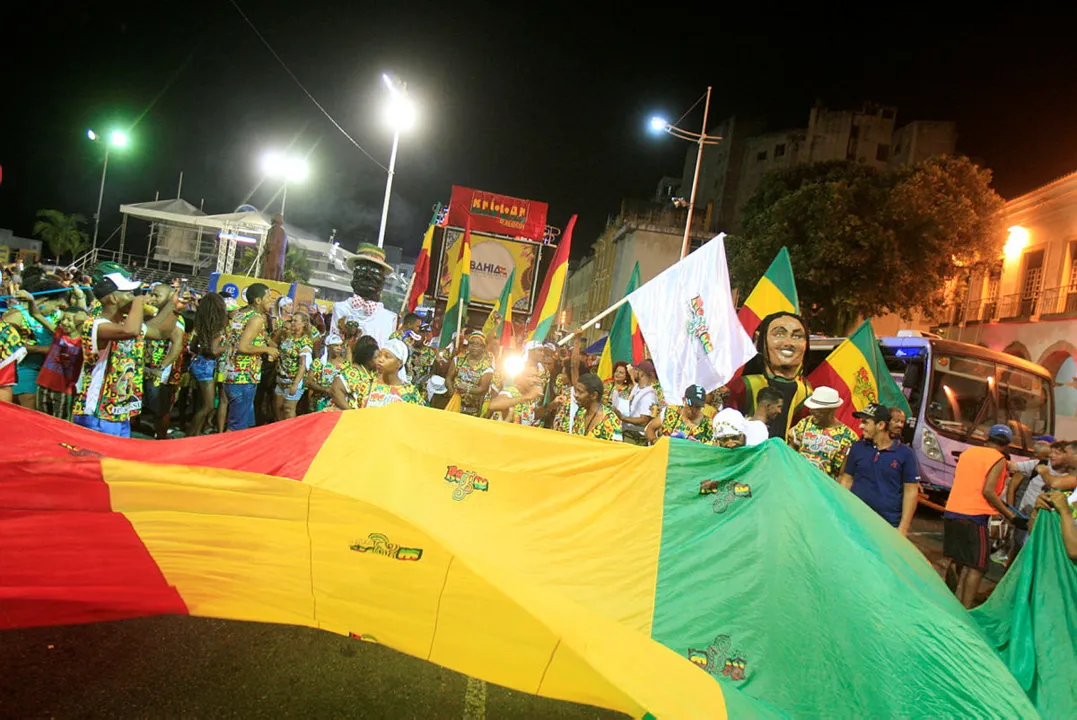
pixel 1031 619
pixel 857 370
pixel 779 583
pixel 499 322
pixel 624 341
pixel 775 292
pixel 459 292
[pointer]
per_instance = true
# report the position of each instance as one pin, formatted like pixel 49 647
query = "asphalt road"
pixel 180 667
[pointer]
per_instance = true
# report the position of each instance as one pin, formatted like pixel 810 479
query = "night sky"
pixel 546 101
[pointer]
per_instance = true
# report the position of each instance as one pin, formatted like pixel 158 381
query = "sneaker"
pixel 1000 556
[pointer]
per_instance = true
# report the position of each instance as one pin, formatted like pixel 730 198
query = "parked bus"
pixel 957 391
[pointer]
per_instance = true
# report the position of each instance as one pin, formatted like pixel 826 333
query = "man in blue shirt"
pixel 881 471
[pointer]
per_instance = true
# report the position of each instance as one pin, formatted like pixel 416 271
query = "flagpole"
pixel 595 319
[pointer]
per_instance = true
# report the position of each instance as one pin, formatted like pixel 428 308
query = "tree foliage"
pixel 61 232
pixel 865 241
pixel 296 266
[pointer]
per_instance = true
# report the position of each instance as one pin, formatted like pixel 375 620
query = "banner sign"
pixel 233 286
pixel 497 214
pixel 492 259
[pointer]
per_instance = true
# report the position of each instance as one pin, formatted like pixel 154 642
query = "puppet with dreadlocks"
pixel 782 341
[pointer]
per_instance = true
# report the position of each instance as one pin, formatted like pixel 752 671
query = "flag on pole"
pixel 687 317
pixel 459 290
pixel 420 279
pixel 857 370
pixel 499 322
pixel 624 341
pixel 549 298
pixel 775 292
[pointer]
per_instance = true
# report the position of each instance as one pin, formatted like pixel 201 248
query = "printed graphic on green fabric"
pixel 1031 619
pixel 793 591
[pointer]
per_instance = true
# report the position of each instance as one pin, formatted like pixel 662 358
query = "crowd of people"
pixel 117 355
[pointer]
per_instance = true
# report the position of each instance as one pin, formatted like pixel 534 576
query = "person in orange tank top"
pixel 979 482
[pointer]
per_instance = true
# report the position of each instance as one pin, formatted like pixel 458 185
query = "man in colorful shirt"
pixel 411 322
pixel 518 403
pixel 157 392
pixel 593 419
pixel 247 342
pixel 110 385
pixel 821 438
pixel 687 422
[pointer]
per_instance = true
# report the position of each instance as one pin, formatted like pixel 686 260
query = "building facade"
pixel 1026 303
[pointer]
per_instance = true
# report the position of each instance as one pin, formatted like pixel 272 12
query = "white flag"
pixel 687 318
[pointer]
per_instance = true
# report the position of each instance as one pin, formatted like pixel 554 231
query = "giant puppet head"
pixel 368 268
pixel 783 342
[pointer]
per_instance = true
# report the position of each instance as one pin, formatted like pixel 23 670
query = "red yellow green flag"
pixel 775 292
pixel 459 291
pixel 549 299
pixel 857 370
pixel 499 322
pixel 420 279
pixel 625 341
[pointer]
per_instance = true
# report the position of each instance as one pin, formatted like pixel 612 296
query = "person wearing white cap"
pixel 323 371
pixel 391 384
pixel 821 438
pixel 728 428
pixel 437 392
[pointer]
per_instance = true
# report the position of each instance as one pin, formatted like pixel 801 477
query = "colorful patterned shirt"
pixel 606 427
pixel 323 373
pixel 291 359
pixel 673 425
pixel 241 368
pixel 469 373
pixel 155 351
pixel 379 394
pixel 660 405
pixel 561 390
pixel 110 385
pixel 357 381
pixel 12 349
pixel 420 362
pixel 522 414
pixel 825 448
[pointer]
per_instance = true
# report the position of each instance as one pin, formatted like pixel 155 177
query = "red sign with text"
pixel 497 214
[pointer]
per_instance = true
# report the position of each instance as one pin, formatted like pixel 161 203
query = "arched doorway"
pixel 1060 360
pixel 1018 350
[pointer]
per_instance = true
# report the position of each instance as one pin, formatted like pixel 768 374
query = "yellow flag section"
pixel 430 560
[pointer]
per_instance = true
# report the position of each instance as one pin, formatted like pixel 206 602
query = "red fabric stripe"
pixel 421 281
pixel 749 320
pixel 826 375
pixel 67 557
pixel 285 449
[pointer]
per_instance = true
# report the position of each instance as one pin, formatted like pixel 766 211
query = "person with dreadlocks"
pixel 783 343
pixel 206 344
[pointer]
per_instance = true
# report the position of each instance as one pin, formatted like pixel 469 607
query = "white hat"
pixel 728 423
pixel 435 386
pixel 400 349
pixel 122 283
pixel 824 397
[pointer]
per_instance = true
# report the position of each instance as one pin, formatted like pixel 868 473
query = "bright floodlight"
pixel 282 167
pixel 400 112
pixel 1016 243
pixel 658 124
pixel 118 138
pixel 513 365
pixel 91 134
pixel 388 81
pixel 296 169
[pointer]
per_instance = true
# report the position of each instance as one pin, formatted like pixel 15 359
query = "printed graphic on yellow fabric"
pixel 252 547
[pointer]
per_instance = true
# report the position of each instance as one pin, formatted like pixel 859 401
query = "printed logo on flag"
pixel 466 481
pixel 725 492
pixel 378 544
pixel 79 452
pixel 863 389
pixel 697 324
pixel 720 658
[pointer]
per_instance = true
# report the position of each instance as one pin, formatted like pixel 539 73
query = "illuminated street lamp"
pixel 701 138
pixel 117 139
pixel 286 168
pixel 400 114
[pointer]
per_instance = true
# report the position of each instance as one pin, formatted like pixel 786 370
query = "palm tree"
pixel 296 266
pixel 61 232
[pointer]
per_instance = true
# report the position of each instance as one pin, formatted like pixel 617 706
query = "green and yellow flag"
pixel 625 341
pixel 459 291
pixel 499 322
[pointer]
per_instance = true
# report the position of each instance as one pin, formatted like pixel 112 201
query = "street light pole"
pixel 100 198
pixel 283 199
pixel 388 189
pixel 695 177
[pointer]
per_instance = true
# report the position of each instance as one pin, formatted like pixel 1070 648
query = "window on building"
pixel 1032 283
pixel 882 153
pixel 779 150
pixel 761 155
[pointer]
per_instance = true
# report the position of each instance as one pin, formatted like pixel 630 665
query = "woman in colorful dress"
pixel 206 346
pixel 391 384
pixel 352 383
pixel 518 403
pixel 36 322
pixel 593 419
pixel 470 374
pixel 618 387
pixel 323 371
pixel 687 421
pixel 296 349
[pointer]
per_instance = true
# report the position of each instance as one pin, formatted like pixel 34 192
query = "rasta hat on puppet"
pixel 370 253
pixel 108 277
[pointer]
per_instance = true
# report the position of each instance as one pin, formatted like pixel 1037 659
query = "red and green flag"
pixel 625 341
pixel 549 299
pixel 775 292
pixel 420 279
pixel 499 322
pixel 857 370
pixel 459 291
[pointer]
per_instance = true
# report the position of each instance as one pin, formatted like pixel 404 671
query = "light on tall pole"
pixel 400 114
pixel 286 168
pixel 117 139
pixel 701 138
